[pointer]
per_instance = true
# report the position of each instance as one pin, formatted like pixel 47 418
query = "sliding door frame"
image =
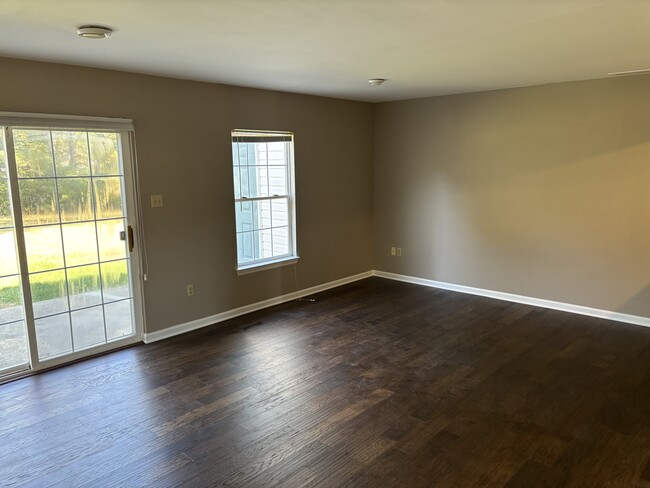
pixel 137 274
pixel 19 236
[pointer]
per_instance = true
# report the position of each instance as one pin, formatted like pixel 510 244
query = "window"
pixel 264 199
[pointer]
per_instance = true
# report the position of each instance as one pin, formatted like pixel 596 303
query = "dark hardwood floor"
pixel 377 383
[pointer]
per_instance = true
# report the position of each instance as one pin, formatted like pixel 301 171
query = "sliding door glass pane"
pixel 9 262
pixel 13 345
pixel 70 185
pixel 85 289
pixel 118 319
pixel 6 220
pixel 44 248
pixel 104 155
pixel 88 327
pixel 108 197
pixel 115 280
pixel 111 246
pixel 49 293
pixel 39 201
pixel 76 199
pixel 11 299
pixel 53 335
pixel 33 148
pixel 71 153
pixel 13 332
pixel 80 241
pixel 72 188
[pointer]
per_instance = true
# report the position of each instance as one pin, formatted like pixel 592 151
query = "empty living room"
pixel 308 243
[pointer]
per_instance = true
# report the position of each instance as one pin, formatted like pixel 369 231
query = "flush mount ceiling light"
pixel 376 81
pixel 94 32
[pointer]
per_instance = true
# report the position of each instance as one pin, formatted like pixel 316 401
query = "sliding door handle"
pixel 130 233
pixel 127 234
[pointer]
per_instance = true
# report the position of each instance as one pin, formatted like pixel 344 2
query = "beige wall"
pixel 541 191
pixel 183 141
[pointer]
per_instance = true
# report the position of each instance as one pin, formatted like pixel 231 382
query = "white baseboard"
pixel 229 314
pixel 537 302
pixel 510 297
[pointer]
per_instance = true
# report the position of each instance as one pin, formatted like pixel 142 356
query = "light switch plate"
pixel 156 201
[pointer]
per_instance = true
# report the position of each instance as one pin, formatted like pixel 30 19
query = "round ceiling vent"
pixel 376 81
pixel 94 32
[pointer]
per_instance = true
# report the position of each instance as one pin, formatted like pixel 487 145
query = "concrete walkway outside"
pixel 55 334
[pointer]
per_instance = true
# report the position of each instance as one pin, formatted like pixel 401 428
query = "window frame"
pixel 238 136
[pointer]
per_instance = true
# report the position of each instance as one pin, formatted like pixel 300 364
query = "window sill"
pixel 252 268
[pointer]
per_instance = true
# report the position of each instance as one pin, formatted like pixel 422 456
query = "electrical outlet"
pixel 399 251
pixel 393 251
pixel 190 290
pixel 156 201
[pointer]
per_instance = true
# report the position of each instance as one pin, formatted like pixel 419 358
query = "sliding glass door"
pixel 67 281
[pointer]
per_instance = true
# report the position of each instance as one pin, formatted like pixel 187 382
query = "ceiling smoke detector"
pixel 94 32
pixel 376 81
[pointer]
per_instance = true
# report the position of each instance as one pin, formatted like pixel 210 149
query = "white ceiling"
pixel 331 48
